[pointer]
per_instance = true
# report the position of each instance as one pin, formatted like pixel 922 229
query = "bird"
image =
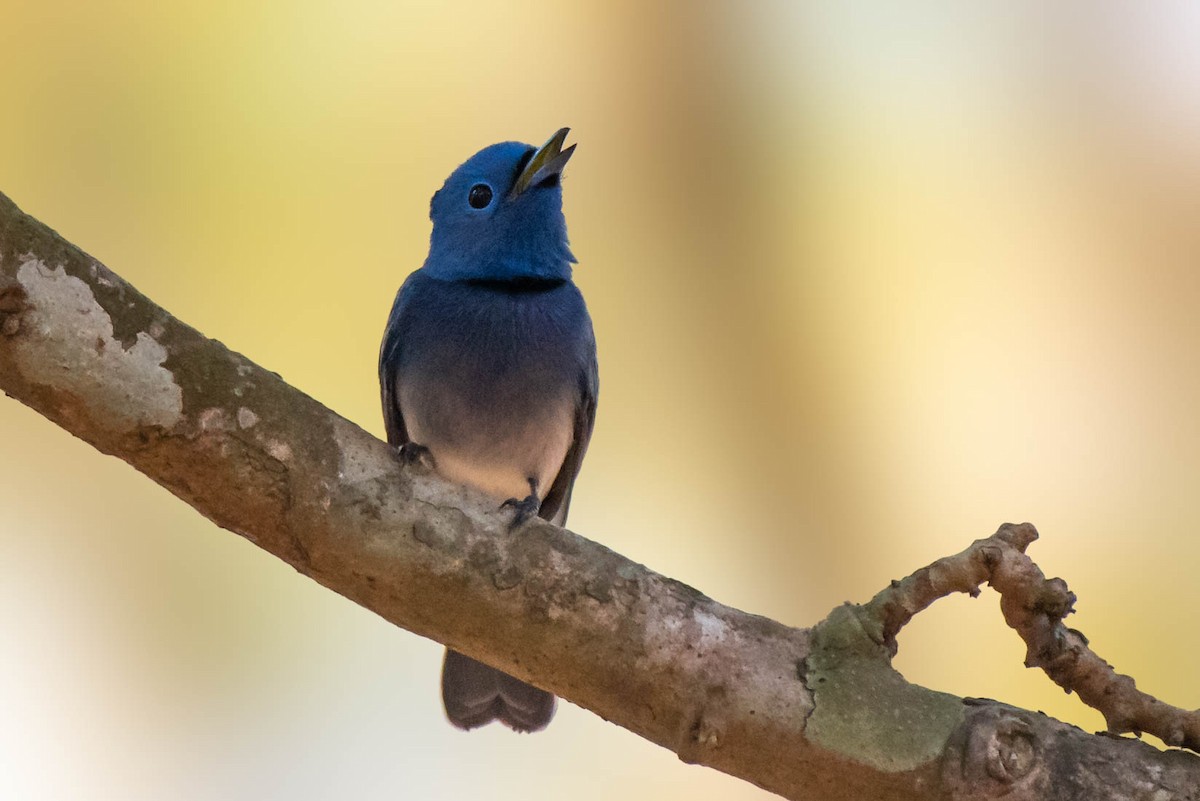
pixel 488 371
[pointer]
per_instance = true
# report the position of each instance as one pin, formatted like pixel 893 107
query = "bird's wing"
pixel 558 499
pixel 389 360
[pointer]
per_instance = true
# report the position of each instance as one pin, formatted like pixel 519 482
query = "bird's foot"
pixel 524 508
pixel 411 454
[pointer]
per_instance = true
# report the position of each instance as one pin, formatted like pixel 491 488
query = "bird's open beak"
pixel 547 160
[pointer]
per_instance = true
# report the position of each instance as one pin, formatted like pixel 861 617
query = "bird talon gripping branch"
pixel 412 454
pixel 524 508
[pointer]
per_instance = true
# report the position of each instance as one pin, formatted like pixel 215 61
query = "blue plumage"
pixel 489 363
pixel 511 237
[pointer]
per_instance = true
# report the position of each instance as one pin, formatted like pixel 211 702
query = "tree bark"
pixel 807 713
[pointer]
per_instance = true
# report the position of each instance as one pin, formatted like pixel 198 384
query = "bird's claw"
pixel 524 508
pixel 412 454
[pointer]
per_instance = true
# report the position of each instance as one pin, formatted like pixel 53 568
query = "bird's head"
pixel 499 216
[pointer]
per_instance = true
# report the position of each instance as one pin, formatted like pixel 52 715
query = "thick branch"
pixel 815 714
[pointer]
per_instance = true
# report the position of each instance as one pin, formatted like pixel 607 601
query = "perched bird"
pixel 488 370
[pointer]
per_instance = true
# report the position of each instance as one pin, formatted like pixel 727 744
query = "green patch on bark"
pixel 863 708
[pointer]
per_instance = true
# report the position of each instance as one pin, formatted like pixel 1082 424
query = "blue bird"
pixel 488 370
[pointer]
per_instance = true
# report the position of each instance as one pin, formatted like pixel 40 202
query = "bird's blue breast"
pixel 482 362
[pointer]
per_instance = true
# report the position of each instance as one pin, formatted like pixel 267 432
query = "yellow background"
pixel 867 282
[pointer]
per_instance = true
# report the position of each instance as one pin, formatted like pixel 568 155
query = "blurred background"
pixel 867 281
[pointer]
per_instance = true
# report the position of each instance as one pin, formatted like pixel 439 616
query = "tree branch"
pixel 806 713
pixel 1035 607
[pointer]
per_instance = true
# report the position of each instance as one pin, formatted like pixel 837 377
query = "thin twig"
pixel 1036 606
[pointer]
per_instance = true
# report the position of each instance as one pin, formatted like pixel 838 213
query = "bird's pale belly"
pixel 497 452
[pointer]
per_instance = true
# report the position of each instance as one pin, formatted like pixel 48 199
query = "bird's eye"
pixel 480 197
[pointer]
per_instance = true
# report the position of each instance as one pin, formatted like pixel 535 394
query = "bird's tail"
pixel 474 694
